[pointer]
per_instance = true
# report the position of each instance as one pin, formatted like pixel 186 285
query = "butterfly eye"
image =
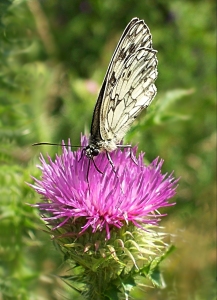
pixel 95 152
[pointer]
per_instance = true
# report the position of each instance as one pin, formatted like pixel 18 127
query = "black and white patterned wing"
pixel 128 86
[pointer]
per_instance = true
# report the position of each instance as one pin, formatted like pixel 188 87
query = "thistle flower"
pixel 109 215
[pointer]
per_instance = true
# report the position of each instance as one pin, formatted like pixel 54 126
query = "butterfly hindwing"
pixel 133 92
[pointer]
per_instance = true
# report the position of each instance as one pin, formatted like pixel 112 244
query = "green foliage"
pixel 53 56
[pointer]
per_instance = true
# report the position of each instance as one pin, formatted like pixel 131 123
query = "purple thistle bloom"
pixel 105 201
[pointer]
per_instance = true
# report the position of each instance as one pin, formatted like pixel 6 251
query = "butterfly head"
pixel 91 151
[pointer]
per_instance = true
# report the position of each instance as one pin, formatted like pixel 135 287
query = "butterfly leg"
pixel 88 169
pixel 110 161
pixel 82 154
pixel 131 152
pixel 132 156
pixel 96 166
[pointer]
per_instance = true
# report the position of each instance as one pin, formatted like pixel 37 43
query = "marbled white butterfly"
pixel 127 89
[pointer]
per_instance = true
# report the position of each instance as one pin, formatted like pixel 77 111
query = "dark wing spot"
pixel 132 48
pixel 129 73
pixel 112 79
pixel 122 54
pixel 146 42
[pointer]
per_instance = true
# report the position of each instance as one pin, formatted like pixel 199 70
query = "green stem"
pixel 97 285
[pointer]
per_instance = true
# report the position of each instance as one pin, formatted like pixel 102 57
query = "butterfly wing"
pixel 128 86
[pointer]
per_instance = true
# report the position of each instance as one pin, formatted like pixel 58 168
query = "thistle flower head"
pixel 75 192
pixel 104 222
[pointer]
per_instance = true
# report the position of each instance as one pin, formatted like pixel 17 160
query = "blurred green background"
pixel 54 55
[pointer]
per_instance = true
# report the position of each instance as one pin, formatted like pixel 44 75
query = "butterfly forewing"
pixel 128 87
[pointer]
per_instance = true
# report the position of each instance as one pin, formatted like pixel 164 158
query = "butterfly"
pixel 127 89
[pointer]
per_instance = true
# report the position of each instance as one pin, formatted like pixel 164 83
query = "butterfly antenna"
pixel 56 144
